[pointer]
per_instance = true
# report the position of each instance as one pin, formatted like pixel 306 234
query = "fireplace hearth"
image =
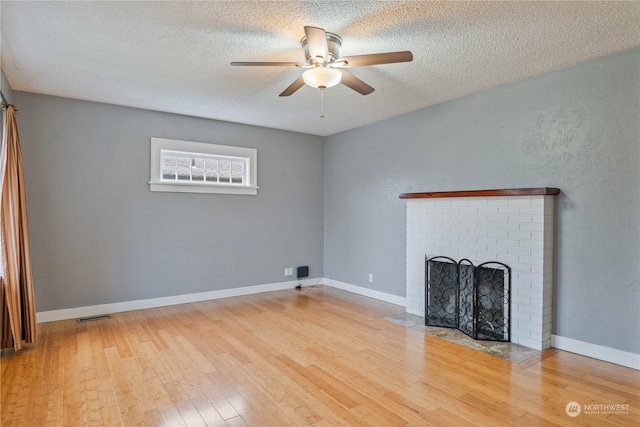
pixel 474 299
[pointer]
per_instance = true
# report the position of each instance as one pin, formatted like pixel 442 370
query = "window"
pixel 196 167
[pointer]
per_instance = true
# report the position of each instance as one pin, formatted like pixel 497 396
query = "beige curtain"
pixel 16 290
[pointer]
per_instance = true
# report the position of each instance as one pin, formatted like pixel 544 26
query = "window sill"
pixel 191 187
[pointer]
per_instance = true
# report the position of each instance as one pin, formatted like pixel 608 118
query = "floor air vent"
pixel 92 318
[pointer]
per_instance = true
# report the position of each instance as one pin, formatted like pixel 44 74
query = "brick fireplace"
pixel 512 226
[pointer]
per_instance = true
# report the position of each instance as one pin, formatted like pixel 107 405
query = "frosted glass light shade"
pixel 322 77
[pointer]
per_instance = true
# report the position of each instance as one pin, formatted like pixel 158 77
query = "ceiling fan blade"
pixel 293 87
pixel 351 81
pixel 270 64
pixel 317 43
pixel 375 59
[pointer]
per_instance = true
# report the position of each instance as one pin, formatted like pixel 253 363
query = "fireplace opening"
pixel 474 299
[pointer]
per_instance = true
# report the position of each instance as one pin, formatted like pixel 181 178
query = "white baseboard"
pixel 371 293
pixel 608 354
pixel 117 307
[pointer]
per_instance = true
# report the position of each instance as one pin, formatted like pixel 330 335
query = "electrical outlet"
pixel 370 278
pixel 288 271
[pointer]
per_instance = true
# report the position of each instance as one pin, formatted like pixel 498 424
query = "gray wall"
pixel 576 129
pixel 98 235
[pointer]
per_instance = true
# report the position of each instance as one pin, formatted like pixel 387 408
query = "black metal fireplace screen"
pixel 474 299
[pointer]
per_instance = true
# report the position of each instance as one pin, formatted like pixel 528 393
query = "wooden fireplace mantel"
pixel 542 191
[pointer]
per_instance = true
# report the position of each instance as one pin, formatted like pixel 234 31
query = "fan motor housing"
pixel 333 44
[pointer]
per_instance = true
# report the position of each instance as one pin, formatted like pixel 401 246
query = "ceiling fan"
pixel 324 66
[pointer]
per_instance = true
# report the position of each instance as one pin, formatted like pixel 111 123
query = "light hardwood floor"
pixel 323 357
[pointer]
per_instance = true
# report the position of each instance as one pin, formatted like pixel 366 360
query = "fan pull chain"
pixel 322 103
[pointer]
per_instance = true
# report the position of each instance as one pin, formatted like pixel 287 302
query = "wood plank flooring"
pixel 323 357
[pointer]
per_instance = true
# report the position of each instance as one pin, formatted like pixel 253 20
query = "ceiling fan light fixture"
pixel 322 77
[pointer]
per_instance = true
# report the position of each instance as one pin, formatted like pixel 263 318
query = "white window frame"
pixel 248 155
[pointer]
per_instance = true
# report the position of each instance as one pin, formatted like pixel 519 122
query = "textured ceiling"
pixel 174 56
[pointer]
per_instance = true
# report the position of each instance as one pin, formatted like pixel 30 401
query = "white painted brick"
pixel 519 201
pixel 450 238
pixel 520 218
pixel 469 210
pixel 537 286
pixel 536 320
pixel 530 293
pixel 477 247
pixel 536 336
pixel 468 224
pixel 459 245
pixel 509 210
pixel 487 256
pixel 519 234
pixel 536 235
pixel 449 209
pixel 487 240
pixel 491 225
pixel 488 210
pixel 530 326
pixel 510 260
pixel 477 217
pixel 498 218
pixel 520 299
pixel 517 332
pixel 534 226
pixel 469 239
pixel 477 232
pixel 432 250
pixel 525 308
pixel 452 253
pixel 533 244
pixel 459 231
pixel 532 210
pixel 530 260
pixel 498 233
pixel 459 217
pixel 514 243
pixel 516 267
pixel 508 226
pixel 439 216
pixel 478 202
pixel 536 303
pixel 519 315
pixel 497 201
pixel 520 251
pixel 459 202
pixel 538 253
pixel 541 200
pixel 497 249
